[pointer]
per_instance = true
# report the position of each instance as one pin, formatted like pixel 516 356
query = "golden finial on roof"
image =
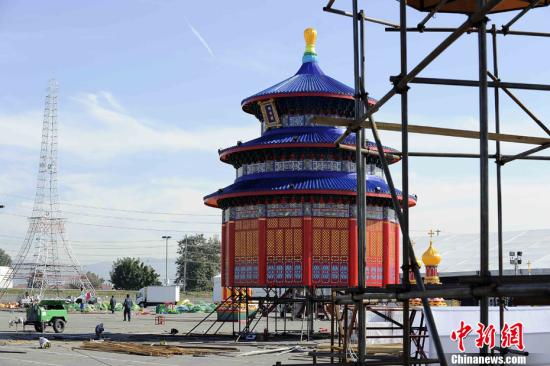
pixel 431 257
pixel 310 36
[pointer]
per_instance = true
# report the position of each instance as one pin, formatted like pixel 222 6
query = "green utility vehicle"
pixel 47 312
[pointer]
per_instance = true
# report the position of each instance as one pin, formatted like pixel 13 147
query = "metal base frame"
pixel 274 307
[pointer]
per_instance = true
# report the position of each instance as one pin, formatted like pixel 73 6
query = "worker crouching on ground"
pixel 112 304
pixel 99 329
pixel 127 305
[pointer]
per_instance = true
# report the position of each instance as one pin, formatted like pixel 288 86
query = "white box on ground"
pixel 217 288
pixel 155 295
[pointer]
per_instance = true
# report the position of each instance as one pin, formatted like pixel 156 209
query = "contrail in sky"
pixel 200 38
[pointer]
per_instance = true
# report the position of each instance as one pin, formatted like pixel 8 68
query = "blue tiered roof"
pixel 278 182
pixel 299 136
pixel 310 81
pixel 302 89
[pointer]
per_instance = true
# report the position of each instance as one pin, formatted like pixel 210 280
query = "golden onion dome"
pixel 431 257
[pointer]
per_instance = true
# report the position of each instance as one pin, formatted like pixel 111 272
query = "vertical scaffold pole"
pixel 499 176
pixel 484 166
pixel 361 184
pixel 405 178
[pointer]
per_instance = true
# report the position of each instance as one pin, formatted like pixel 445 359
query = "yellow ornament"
pixel 431 257
pixel 310 36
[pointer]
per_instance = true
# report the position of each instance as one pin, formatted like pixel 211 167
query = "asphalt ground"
pixel 20 348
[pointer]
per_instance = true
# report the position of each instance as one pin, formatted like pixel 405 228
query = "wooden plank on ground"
pixel 149 350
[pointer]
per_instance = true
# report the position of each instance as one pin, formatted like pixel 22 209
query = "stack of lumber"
pixel 154 350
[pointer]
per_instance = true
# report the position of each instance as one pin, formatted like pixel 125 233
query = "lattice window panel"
pixel 391 253
pixel 246 252
pixel 330 251
pixel 374 252
pixel 284 250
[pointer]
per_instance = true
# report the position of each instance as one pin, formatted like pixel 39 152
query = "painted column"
pixel 231 252
pixel 352 264
pixel 397 231
pixel 307 225
pixel 262 250
pixel 223 254
pixel 387 236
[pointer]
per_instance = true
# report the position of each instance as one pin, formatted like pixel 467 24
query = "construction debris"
pixel 281 350
pixel 154 350
pixel 11 351
pixel 386 348
pixel 44 343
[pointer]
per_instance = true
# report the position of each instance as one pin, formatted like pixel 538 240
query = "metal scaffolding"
pixel 45 263
pixel 483 286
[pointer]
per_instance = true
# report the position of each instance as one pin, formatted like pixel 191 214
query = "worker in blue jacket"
pixel 127 305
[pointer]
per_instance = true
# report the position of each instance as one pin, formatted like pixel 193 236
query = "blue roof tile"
pixel 302 135
pixel 284 181
pixel 309 79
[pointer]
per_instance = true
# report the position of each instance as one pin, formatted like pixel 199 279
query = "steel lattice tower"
pixel 45 260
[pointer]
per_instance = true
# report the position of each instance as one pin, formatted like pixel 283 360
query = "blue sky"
pixel 149 90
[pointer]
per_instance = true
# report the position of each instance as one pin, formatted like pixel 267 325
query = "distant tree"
pixel 202 256
pixel 5 259
pixel 95 280
pixel 132 274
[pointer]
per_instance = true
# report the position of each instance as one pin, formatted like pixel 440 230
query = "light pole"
pixel 515 259
pixel 185 269
pixel 166 237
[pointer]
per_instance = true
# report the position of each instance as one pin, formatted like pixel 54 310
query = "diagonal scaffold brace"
pixel 412 257
pixel 403 80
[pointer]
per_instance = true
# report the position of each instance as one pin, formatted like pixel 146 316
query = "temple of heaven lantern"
pixel 290 217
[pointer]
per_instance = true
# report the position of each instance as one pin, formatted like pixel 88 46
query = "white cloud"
pixel 22 130
pixel 110 98
pixel 116 132
pixel 103 130
pixel 200 38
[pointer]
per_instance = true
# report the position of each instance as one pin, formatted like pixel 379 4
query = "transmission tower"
pixel 45 261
